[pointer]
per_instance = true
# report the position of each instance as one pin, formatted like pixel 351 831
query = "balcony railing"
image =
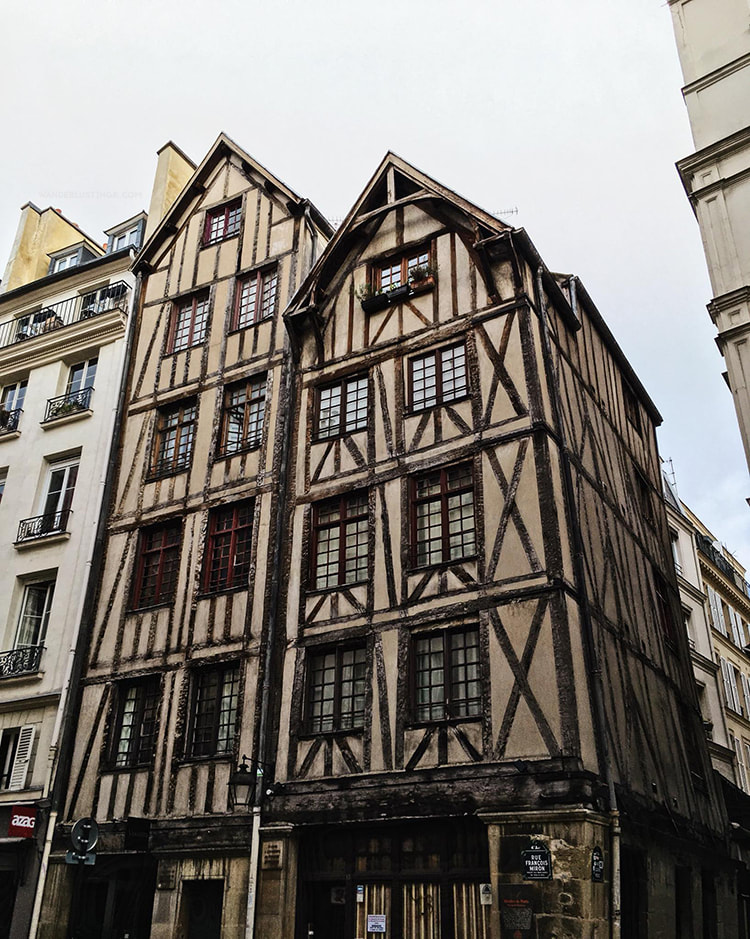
pixel 57 315
pixel 705 546
pixel 41 526
pixel 9 420
pixel 68 404
pixel 20 661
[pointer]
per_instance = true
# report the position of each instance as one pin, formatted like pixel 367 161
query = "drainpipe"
pixel 592 661
pixel 71 695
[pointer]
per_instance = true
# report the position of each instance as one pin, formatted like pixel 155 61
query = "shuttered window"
pixel 16 745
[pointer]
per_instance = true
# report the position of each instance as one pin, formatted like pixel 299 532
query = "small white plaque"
pixel 376 922
pixel 485 894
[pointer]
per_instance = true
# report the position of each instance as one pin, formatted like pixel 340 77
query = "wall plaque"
pixel 273 855
pixel 517 916
pixel 537 862
pixel 597 865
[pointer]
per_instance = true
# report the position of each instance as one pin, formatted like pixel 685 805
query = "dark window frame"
pixel 210 747
pixel 161 465
pixel 664 609
pixel 632 408
pixel 247 440
pixel 349 720
pixel 345 519
pixel 197 331
pixel 141 748
pixel 406 261
pixel 231 222
pixel 167 550
pixel 451 703
pixel 343 429
pixel 443 497
pixel 441 396
pixel 265 298
pixel 236 575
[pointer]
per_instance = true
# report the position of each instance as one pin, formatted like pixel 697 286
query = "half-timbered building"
pixel 486 710
pixel 170 690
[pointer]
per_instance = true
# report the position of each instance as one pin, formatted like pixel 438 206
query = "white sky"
pixel 570 112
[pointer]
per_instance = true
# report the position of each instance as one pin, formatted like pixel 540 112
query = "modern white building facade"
pixel 64 314
pixel 713 40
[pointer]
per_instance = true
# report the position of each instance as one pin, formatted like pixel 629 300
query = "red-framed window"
pixel 447 680
pixel 157 565
pixel 228 549
pixel 222 222
pixel 342 407
pixel 443 523
pixel 175 434
pixel 134 742
pixel 438 377
pixel 341 541
pixel 243 416
pixel 255 297
pixel 336 689
pixel 396 272
pixel 214 710
pixel 189 322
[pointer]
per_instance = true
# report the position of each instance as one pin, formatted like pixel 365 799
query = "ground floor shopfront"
pixel 527 875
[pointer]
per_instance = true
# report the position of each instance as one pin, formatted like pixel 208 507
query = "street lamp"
pixel 243 781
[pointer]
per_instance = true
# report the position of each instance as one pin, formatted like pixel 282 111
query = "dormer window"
pixel 125 239
pixel 127 234
pixel 63 263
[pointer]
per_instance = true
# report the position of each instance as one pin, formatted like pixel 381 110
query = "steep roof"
pixel 222 147
pixel 395 182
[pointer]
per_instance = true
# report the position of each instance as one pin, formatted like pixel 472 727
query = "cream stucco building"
pixel 713 40
pixel 64 313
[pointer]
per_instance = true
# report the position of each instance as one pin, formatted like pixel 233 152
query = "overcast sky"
pixel 570 113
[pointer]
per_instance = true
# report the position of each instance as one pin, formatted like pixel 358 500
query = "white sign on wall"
pixel 376 922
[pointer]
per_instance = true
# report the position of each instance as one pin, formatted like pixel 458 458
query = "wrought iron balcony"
pixel 73 310
pixel 20 661
pixel 68 404
pixel 41 526
pixel 9 420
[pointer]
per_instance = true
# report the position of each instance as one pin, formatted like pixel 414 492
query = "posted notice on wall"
pixel 376 922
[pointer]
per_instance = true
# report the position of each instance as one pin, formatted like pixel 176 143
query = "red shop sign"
pixel 22 820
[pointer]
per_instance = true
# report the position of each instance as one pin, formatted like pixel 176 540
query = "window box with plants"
pixel 422 278
pixel 373 299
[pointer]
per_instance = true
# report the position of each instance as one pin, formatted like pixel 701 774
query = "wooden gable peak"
pixel 223 148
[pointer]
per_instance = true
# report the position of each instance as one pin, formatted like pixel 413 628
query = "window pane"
pixel 453 364
pixel 32 625
pixel 390 276
pixel 465 690
pixel 423 382
pixel 247 302
pixel 356 404
pixel 268 300
pixel 228 710
pixel 329 415
pixel 430 678
pixel 461 541
pixel 322 692
pixel 353 674
pixel 429 533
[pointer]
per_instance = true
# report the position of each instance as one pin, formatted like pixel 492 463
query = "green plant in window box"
pixel 422 276
pixel 371 297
